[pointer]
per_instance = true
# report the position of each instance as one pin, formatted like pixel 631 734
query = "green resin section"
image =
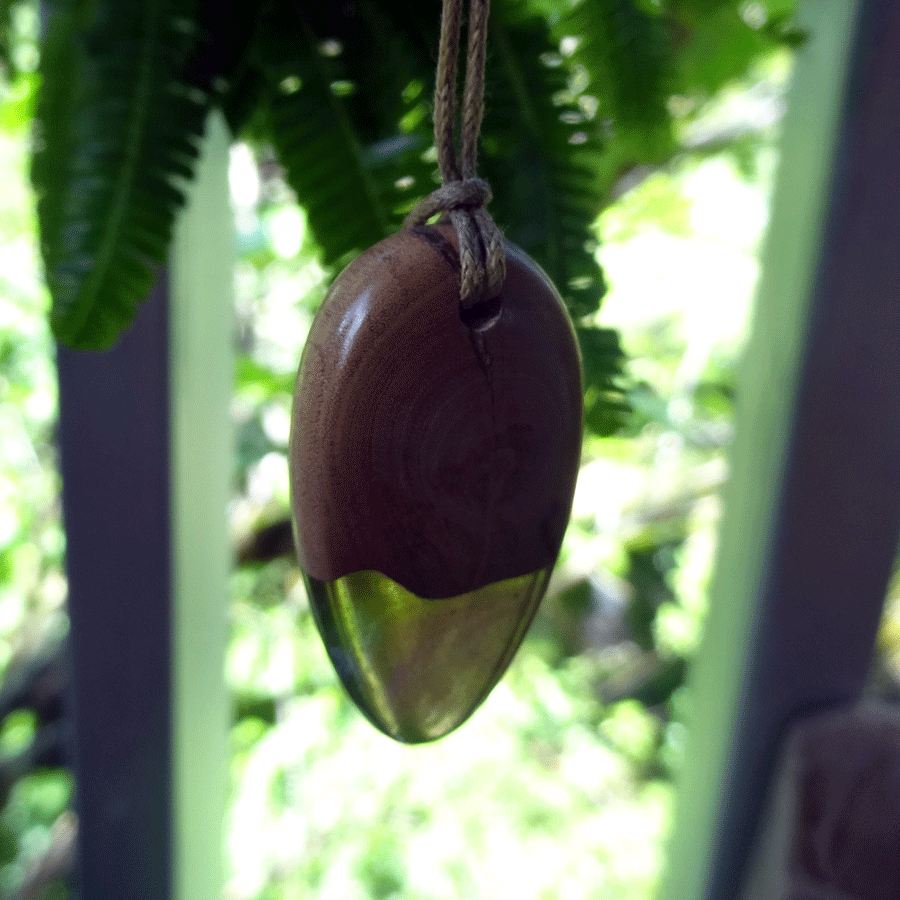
pixel 419 668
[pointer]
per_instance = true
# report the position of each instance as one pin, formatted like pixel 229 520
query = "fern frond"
pixel 118 131
pixel 353 164
pixel 540 154
pixel 626 50
pixel 605 406
pixel 544 156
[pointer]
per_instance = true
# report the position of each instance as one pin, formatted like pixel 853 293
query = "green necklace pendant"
pixel 433 458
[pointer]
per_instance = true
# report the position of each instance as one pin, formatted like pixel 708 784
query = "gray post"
pixel 813 508
pixel 146 458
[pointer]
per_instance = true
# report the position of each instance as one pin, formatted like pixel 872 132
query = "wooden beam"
pixel 831 829
pixel 114 440
pixel 812 512
pixel 145 443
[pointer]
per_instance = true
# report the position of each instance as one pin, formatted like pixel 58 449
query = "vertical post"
pixel 146 458
pixel 813 509
pixel 114 439
pixel 201 377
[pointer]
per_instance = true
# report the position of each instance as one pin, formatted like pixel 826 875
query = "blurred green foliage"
pixel 32 585
pixel 560 786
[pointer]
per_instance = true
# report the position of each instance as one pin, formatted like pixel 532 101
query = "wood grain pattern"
pixel 439 452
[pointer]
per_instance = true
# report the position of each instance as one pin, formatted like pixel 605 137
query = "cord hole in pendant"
pixel 482 315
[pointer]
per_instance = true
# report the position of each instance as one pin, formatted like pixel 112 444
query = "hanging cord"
pixel 462 195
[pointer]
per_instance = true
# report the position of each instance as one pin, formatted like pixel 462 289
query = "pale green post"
pixel 201 341
pixel 767 399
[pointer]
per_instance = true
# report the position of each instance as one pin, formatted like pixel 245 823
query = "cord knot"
pixel 462 196
pixel 482 258
pixel 465 193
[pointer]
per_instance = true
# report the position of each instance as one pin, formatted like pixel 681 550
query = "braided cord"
pixel 462 195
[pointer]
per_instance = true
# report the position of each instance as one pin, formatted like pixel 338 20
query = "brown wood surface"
pixel 439 453
pixel 832 831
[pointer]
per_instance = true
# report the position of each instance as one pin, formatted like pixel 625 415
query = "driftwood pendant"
pixel 433 462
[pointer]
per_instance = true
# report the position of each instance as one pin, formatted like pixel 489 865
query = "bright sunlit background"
pixel 560 786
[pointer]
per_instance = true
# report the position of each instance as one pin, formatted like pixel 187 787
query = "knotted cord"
pixel 462 195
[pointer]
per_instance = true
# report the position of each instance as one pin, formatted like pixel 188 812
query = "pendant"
pixel 434 453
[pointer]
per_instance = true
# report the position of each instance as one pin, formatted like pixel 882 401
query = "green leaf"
pixel 626 51
pixel 717 46
pixel 324 161
pixel 118 130
pixel 602 359
pixel 540 153
pixel 384 49
pixel 355 164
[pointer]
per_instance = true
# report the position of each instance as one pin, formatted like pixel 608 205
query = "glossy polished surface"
pixel 419 668
pixel 433 457
pixel 440 452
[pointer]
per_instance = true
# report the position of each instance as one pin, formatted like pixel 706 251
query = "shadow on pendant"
pixel 419 668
